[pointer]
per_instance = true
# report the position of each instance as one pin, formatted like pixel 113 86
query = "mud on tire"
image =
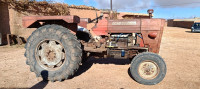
pixel 59 37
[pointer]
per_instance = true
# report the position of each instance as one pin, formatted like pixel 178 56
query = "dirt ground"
pixel 179 48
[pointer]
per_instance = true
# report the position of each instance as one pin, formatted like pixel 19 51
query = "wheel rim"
pixel 50 54
pixel 148 70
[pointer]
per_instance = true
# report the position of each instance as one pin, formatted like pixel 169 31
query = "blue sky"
pixel 177 12
pixel 167 9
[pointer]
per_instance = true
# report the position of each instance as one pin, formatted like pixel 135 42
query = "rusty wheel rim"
pixel 50 54
pixel 148 70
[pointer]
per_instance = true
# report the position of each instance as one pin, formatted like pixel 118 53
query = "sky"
pixel 168 9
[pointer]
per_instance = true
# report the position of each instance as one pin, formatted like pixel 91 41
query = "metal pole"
pixel 111 12
pixel 111 5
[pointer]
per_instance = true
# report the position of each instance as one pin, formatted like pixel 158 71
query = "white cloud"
pixel 144 4
pixel 177 3
pixel 86 1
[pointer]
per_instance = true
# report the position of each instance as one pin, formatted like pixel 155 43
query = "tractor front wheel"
pixel 148 68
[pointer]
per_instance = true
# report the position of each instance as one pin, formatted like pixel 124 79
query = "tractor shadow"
pixel 42 84
pixel 129 73
pixel 88 64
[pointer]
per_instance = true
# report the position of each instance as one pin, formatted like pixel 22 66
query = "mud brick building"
pixel 184 23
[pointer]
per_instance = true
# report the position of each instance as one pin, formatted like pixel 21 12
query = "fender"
pixel 69 22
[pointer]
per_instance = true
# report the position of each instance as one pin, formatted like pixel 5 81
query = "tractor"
pixel 60 44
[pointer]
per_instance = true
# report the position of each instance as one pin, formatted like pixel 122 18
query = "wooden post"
pixel 8 39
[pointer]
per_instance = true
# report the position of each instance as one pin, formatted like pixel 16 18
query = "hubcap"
pixel 148 70
pixel 50 54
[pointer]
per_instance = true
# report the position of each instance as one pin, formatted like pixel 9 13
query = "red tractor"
pixel 61 43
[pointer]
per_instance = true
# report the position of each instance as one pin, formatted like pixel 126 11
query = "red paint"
pixel 153 35
pixel 101 27
pixel 29 20
pixel 142 43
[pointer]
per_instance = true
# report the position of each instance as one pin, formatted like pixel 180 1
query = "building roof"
pixel 124 13
pixel 129 13
pixel 189 20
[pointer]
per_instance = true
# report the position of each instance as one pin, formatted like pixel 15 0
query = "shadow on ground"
pixel 42 84
pixel 129 73
pixel 88 64
pixel 83 68
pixel 191 32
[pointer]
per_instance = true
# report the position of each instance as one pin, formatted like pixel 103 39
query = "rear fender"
pixel 69 22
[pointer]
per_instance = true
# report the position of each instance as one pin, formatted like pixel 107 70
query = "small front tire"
pixel 148 68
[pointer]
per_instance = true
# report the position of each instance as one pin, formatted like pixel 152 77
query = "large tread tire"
pixel 70 43
pixel 144 57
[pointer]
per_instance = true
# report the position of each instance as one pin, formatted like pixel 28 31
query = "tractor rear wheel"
pixel 148 68
pixel 53 53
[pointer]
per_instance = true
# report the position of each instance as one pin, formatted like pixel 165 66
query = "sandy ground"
pixel 179 48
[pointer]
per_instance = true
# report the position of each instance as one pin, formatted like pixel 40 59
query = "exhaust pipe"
pixel 150 11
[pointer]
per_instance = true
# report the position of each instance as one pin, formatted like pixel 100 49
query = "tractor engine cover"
pixel 151 30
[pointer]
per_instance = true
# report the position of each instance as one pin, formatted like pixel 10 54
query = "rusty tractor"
pixel 61 43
